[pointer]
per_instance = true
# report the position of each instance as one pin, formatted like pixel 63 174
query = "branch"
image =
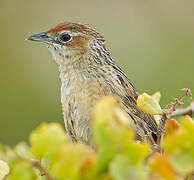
pixel 172 111
pixel 166 114
pixel 179 101
pixel 184 111
pixel 43 171
pixel 36 164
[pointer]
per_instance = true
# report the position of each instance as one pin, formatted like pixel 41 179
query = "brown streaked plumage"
pixel 87 73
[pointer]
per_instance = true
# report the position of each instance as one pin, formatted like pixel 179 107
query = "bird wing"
pixel 127 95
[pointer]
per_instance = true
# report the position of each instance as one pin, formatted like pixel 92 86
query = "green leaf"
pixel 47 139
pixel 70 160
pixel 119 167
pixel 113 134
pixel 122 169
pixel 106 148
pixel 180 146
pixel 111 125
pixel 23 150
pixel 22 171
pixel 136 152
pixel 7 154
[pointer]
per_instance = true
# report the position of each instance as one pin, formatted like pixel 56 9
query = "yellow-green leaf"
pixel 180 145
pixel 148 104
pixel 69 161
pixel 122 169
pixel 157 96
pixel 22 149
pixel 47 139
pixel 22 171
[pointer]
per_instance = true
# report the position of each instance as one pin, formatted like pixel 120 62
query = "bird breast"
pixel 79 93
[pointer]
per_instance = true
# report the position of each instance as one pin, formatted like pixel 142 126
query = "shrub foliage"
pixel 114 155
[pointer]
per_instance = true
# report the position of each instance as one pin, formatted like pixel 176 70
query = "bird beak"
pixel 40 37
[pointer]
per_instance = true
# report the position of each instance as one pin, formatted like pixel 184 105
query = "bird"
pixel 88 73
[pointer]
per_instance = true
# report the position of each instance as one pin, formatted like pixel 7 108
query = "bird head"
pixel 67 41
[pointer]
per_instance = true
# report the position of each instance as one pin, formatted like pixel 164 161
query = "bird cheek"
pixel 78 45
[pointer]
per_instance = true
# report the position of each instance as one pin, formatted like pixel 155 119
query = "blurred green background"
pixel 153 42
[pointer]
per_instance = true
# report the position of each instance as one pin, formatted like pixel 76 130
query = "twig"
pixel 184 111
pixel 178 101
pixel 36 164
pixel 166 114
pixel 43 171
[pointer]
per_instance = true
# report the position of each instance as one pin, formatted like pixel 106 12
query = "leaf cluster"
pixel 114 154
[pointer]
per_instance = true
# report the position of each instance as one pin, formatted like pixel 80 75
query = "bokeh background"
pixel 153 42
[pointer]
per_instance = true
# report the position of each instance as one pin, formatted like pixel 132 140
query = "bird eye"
pixel 64 37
